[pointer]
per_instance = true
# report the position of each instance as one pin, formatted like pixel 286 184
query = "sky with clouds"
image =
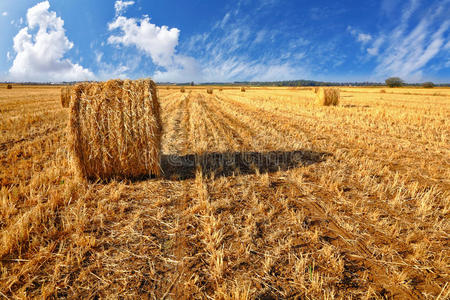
pixel 212 41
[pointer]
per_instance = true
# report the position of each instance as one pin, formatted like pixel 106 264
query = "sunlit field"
pixel 264 195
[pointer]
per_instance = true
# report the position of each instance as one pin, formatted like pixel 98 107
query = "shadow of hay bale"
pixel 225 164
pixel 353 105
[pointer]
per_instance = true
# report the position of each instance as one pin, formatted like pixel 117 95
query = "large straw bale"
pixel 115 129
pixel 328 96
pixel 242 89
pixel 65 96
pixel 182 90
pixel 9 86
pixel 209 90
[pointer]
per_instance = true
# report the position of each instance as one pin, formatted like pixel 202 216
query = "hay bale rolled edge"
pixel 65 97
pixel 328 96
pixel 115 129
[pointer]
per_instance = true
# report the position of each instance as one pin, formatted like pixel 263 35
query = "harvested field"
pixel 263 195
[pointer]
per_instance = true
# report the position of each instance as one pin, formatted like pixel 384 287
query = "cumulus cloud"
pixel 40 56
pixel 5 13
pixel 121 6
pixel 218 53
pixel 157 42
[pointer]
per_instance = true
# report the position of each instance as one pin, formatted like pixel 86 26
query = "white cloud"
pixel 376 46
pixel 361 37
pixel 364 38
pixel 121 6
pixel 224 21
pixel 260 36
pixel 8 56
pixel 407 49
pixel 447 46
pixel 40 56
pixel 157 42
pixel 5 13
pixel 218 52
pixel 407 52
pixel 184 68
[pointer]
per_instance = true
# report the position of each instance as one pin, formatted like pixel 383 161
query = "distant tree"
pixel 394 82
pixel 428 85
pixel 192 83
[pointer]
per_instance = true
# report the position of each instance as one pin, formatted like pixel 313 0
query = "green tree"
pixel 394 82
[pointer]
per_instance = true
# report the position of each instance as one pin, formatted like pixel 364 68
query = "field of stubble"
pixel 264 196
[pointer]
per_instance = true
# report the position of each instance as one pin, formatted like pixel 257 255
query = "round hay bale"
pixel 220 90
pixel 115 129
pixel 316 89
pixel 182 90
pixel 383 91
pixel 209 90
pixel 65 97
pixel 9 86
pixel 242 89
pixel 328 96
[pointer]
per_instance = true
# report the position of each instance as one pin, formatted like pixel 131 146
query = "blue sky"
pixel 207 40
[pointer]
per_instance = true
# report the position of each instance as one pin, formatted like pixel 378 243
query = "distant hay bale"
pixel 65 97
pixel 209 90
pixel 9 86
pixel 115 129
pixel 328 96
pixel 316 89
pixel 383 91
pixel 220 90
pixel 242 89
pixel 182 90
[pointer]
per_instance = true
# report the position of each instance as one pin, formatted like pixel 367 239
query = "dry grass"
pixel 115 129
pixel 328 96
pixel 262 197
pixel 65 97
